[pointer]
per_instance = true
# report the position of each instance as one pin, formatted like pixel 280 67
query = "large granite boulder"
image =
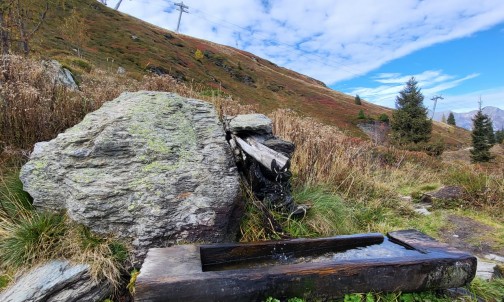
pixel 150 167
pixel 58 280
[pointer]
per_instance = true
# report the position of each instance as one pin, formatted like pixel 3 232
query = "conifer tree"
pixel 443 119
pixel 499 136
pixel 358 100
pixel 480 138
pixel 451 119
pixel 409 122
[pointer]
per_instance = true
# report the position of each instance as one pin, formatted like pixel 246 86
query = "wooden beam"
pixel 272 160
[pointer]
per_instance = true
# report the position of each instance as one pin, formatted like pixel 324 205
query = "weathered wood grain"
pixel 264 155
pixel 176 274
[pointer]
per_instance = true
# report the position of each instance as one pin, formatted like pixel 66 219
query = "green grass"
pixel 32 237
pixel 12 195
pixel 488 291
pixel 491 291
pixel 4 281
pixel 29 237
pixel 329 215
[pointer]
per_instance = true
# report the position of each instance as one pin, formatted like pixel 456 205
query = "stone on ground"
pixel 149 167
pixel 258 124
pixel 445 193
pixel 57 280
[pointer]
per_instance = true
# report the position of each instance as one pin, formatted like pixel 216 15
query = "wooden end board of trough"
pixel 184 273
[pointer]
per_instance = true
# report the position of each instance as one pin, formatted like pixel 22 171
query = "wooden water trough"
pixel 404 261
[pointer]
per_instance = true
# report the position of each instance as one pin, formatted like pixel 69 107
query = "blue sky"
pixel 467 68
pixel 453 47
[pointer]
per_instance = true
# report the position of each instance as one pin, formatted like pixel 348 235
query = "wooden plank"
pixel 212 256
pixel 264 155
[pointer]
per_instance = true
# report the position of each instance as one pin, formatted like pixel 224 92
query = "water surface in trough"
pixel 386 249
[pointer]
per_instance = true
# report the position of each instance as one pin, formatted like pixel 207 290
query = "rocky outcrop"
pixel 57 280
pixel 150 167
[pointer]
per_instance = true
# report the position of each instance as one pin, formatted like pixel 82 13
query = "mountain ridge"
pixel 464 119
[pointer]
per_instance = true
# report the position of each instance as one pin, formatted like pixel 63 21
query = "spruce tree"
pixel 358 100
pixel 451 119
pixel 490 132
pixel 409 122
pixel 499 136
pixel 480 138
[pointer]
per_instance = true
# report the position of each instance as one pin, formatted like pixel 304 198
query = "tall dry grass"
pixel 33 107
pixel 352 166
pixel 361 171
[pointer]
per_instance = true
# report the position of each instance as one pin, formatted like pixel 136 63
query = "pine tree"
pixel 361 115
pixel 358 100
pixel 480 138
pixel 409 122
pixel 451 119
pixel 490 131
pixel 499 136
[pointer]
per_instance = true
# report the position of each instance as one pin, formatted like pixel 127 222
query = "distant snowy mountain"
pixel 464 119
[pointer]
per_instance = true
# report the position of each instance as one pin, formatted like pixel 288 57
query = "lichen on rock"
pixel 149 167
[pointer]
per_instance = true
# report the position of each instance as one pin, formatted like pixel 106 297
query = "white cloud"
pixel 432 82
pixel 331 40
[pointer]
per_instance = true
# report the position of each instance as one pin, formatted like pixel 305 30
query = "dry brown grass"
pixel 34 108
pixel 376 175
pixel 351 166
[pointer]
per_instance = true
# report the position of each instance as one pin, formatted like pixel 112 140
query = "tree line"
pixel 412 129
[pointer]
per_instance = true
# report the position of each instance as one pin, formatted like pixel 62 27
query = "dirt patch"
pixel 470 235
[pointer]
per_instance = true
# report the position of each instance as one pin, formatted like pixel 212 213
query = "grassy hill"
pixel 117 39
pixel 351 185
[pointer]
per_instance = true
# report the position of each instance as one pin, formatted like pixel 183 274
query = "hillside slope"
pixel 117 39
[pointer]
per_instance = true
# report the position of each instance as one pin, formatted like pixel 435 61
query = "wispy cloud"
pixel 331 40
pixel 469 101
pixel 431 82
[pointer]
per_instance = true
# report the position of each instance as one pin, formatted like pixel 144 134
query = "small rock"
pixel 279 145
pixel 485 270
pixel 445 193
pixel 422 208
pixel 58 280
pixel 250 123
pixel 121 70
pixel 60 74
pixel 494 257
pixel 406 198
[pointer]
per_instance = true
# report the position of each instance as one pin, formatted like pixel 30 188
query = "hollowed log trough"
pixel 404 261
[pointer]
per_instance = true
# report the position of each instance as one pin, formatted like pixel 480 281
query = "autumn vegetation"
pixel 351 184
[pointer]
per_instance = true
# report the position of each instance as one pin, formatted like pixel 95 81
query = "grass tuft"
pixel 29 237
pixel 33 237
